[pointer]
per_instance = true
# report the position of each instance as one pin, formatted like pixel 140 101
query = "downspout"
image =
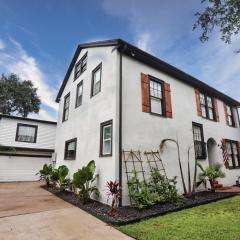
pixel 121 51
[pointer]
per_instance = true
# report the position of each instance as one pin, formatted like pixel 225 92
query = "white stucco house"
pixel 116 97
pixel 25 145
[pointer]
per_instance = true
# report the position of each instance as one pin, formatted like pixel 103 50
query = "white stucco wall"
pixel 144 131
pixel 84 122
pixel 46 134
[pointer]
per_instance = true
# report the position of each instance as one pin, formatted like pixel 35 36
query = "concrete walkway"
pixel 28 212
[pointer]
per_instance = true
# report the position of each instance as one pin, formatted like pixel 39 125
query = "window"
pixel 26 133
pixel 66 107
pixel 79 94
pixel 230 116
pixel 233 154
pixel 106 139
pixel 207 106
pixel 80 67
pixel 70 149
pixel 96 80
pixel 156 96
pixel 199 144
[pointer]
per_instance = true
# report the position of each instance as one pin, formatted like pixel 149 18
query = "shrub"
pixel 114 193
pixel 141 194
pixel 45 174
pixel 83 180
pixel 158 189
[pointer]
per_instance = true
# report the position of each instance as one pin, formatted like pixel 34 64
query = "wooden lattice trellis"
pixel 134 165
pixel 155 162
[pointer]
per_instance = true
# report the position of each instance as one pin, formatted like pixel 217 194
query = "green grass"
pixel 218 221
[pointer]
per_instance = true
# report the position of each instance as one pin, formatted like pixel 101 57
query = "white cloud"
pixel 43 114
pixel 2 45
pixel 16 60
pixel 165 29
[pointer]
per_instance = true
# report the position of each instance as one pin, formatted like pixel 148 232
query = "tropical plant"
pixel 162 144
pixel 45 174
pixel 83 180
pixel 113 193
pixel 58 177
pixel 210 174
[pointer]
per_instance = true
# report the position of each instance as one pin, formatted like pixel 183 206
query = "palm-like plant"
pixel 211 173
pixel 45 173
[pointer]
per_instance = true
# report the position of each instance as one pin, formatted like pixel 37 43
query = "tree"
pixel 224 14
pixel 17 96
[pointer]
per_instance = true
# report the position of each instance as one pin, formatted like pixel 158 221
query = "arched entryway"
pixel 212 151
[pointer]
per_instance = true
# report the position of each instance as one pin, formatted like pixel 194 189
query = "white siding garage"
pixel 16 168
pixel 25 146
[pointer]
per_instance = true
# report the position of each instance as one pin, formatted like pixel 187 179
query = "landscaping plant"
pixel 211 173
pixel 114 193
pixel 59 178
pixel 165 188
pixel 45 174
pixel 83 180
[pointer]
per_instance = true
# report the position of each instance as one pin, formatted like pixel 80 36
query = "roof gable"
pixel 142 56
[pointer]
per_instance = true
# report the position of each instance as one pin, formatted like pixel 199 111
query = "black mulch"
pixel 126 215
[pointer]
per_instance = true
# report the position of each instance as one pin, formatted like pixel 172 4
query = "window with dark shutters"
pixel 168 100
pixel 235 117
pixel 145 93
pixel 197 94
pixel 216 110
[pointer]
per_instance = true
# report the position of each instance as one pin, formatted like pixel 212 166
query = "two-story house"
pixel 117 97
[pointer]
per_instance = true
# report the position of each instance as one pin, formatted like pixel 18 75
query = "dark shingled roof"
pixel 152 61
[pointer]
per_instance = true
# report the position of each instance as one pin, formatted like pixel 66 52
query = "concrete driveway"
pixel 28 212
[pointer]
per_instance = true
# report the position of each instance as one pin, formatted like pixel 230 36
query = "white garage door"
pixel 20 168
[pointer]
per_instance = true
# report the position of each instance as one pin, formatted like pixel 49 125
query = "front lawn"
pixel 218 221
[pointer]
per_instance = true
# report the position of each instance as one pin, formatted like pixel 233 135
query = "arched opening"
pixel 212 151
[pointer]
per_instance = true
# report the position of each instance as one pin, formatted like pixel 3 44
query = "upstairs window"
pixel 26 133
pixel 66 107
pixel 79 95
pixel 96 80
pixel 233 154
pixel 106 139
pixel 207 106
pixel 230 116
pixel 81 66
pixel 156 97
pixel 199 144
pixel 70 149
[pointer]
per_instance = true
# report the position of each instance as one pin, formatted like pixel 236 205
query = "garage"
pixel 21 168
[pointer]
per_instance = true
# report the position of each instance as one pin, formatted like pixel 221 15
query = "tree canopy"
pixel 224 14
pixel 18 97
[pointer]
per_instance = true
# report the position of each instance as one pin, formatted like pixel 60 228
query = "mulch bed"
pixel 126 215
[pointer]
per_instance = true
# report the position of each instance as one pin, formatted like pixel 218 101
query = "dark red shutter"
pixel 239 148
pixel 145 93
pixel 197 94
pixel 226 114
pixel 216 110
pixel 168 100
pixel 235 117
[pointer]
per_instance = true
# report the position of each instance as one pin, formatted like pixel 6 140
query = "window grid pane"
pixel 156 97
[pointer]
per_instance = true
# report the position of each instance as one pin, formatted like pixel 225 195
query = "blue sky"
pixel 38 40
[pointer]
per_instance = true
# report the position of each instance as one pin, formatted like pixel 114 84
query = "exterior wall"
pixel 144 131
pixel 46 134
pixel 84 121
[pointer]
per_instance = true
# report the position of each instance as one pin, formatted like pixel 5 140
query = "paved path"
pixel 28 212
